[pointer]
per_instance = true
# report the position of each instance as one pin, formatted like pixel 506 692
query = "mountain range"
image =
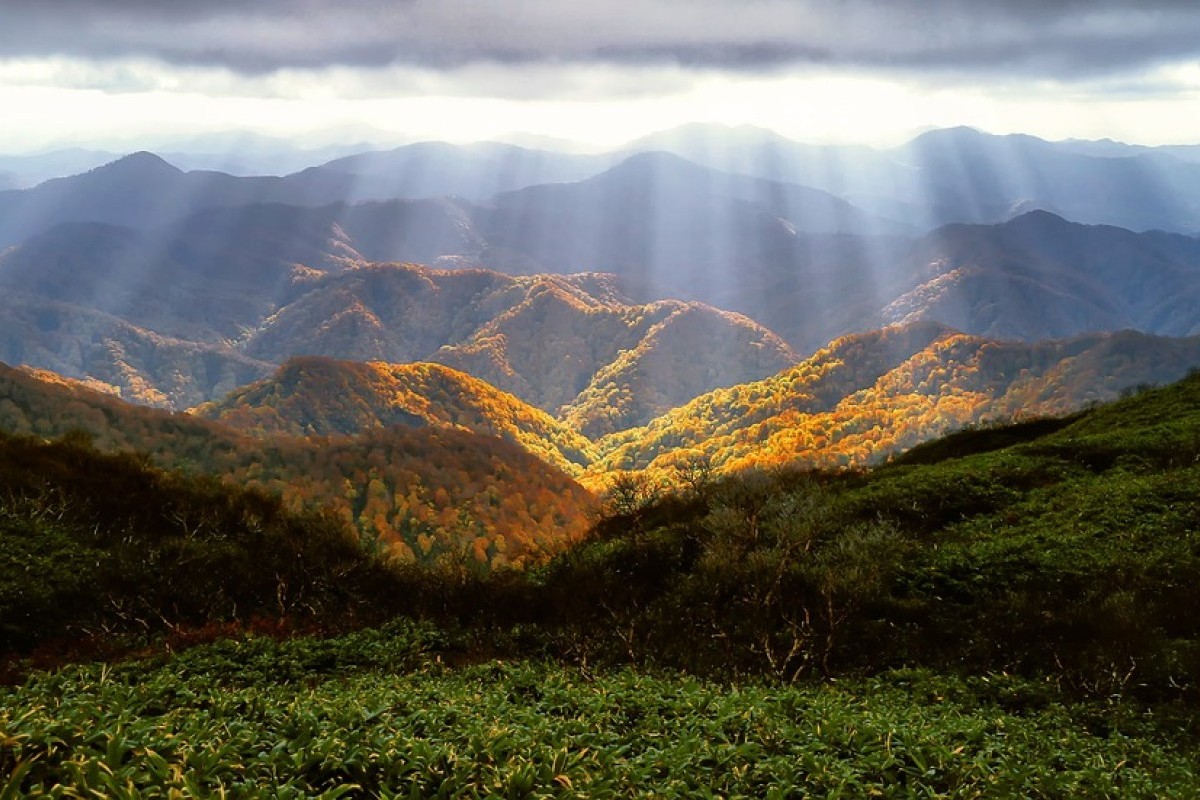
pixel 801 261
pixel 707 296
pixel 180 315
pixel 941 177
pixel 963 175
pixel 857 402
pixel 425 462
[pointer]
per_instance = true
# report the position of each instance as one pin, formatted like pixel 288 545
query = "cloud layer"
pixel 1057 39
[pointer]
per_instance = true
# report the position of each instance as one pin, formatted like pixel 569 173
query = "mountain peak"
pixel 1039 217
pixel 657 159
pixel 142 163
pixel 957 133
pixel 656 168
pixel 708 135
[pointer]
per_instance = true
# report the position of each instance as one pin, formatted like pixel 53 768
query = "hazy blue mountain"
pixel 1040 276
pixel 668 226
pixel 965 175
pixel 393 230
pixel 943 176
pixel 473 171
pixel 144 191
pixel 235 153
pixel 218 273
pixel 845 170
pixel 1113 149
pixel 990 177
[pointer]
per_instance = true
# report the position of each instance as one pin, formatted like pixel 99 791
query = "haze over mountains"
pixel 707 291
pixel 965 175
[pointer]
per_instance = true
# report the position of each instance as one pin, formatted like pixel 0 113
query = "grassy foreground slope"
pixel 377 714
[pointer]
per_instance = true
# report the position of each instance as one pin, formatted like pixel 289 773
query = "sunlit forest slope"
pixel 419 493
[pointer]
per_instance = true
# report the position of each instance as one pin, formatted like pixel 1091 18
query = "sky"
pixel 122 73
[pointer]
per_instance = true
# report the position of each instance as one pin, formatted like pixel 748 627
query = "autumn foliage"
pixel 414 493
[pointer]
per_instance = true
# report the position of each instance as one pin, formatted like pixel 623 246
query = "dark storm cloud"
pixel 1056 39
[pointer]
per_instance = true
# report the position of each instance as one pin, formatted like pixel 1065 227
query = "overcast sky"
pixel 603 71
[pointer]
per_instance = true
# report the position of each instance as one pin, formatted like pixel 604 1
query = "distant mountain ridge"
pixel 954 175
pixel 144 191
pixel 963 175
pixel 476 171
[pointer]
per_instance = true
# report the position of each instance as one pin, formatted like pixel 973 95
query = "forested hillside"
pixel 868 397
pixel 320 396
pixel 417 493
pixel 97 550
pixel 553 341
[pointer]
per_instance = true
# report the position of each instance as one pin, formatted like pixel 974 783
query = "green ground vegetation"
pixel 380 714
